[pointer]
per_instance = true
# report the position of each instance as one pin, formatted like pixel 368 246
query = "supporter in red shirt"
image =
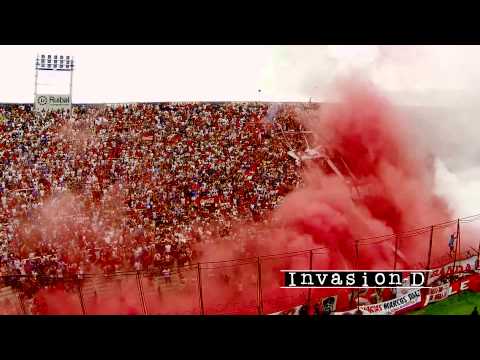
pixel 206 152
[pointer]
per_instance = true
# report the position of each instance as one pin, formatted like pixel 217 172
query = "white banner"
pixel 438 293
pixel 52 102
pixel 392 306
pixel 443 291
pixel 388 307
pixel 461 266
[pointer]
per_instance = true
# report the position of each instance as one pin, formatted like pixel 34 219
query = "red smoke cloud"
pixel 394 170
pixel 396 176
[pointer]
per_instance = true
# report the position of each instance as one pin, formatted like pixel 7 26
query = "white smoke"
pixel 438 86
pixel 462 188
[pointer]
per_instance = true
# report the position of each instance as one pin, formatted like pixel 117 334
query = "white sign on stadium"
pixel 52 102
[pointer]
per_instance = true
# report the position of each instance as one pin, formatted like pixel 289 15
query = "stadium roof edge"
pixel 176 102
pixel 225 102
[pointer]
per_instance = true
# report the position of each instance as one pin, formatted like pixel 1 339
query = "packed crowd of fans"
pixel 134 187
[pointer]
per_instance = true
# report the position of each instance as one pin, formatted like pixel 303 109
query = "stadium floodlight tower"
pixel 49 102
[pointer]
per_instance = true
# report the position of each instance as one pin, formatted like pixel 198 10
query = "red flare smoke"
pixel 384 152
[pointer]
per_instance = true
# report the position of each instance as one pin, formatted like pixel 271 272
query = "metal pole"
pixel 429 254
pixel 80 295
pixel 259 287
pixel 36 81
pixel 200 289
pixel 309 295
pixel 459 246
pixel 356 254
pixel 396 250
pixel 356 268
pixel 36 84
pixel 71 86
pixel 456 246
pixel 478 256
pixel 142 298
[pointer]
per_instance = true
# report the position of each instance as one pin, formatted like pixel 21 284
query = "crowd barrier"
pixel 252 286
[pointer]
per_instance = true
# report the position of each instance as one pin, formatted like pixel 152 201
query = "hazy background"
pixel 416 75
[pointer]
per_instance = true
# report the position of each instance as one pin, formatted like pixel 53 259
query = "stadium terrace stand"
pixel 133 187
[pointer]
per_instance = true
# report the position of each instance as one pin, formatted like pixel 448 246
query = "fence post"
pixel 458 239
pixel 478 256
pixel 429 255
pixel 200 289
pixel 457 243
pixel 259 287
pixel 356 268
pixel 309 294
pixel 80 295
pixel 140 290
pixel 396 251
pixel 356 254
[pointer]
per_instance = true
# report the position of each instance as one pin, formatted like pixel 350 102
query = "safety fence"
pixel 242 286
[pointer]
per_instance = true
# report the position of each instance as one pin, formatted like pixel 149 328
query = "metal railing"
pixel 237 286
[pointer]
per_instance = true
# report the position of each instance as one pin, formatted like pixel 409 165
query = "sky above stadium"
pixel 424 75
